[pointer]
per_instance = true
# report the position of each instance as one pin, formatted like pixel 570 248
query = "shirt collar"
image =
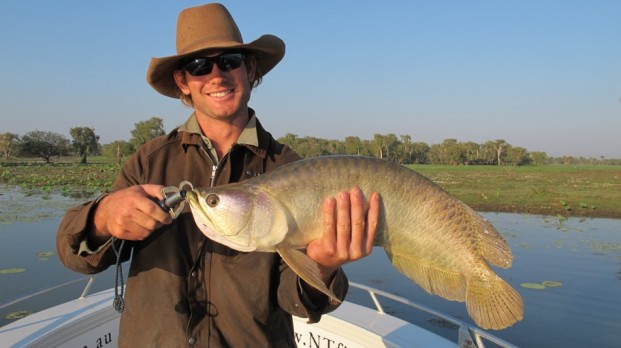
pixel 249 135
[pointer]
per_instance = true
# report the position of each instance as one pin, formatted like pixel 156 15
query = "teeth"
pixel 220 94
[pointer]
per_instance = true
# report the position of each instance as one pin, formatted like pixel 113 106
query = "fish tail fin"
pixel 493 304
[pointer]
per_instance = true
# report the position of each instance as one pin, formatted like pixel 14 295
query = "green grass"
pixel 591 191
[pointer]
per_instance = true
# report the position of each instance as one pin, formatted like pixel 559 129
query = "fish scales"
pixel 430 236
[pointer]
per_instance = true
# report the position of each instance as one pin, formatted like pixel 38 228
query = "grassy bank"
pixel 590 191
pixel 586 191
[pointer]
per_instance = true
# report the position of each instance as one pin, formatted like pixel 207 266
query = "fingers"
pixel 130 213
pixel 357 246
pixel 373 220
pixel 349 225
pixel 344 232
pixel 364 220
pixel 154 191
pixel 328 214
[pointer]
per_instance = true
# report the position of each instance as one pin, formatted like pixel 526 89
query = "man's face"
pixel 219 94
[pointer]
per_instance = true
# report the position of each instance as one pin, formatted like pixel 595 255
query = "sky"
pixel 542 75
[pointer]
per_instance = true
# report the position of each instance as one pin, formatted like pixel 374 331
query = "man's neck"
pixel 223 134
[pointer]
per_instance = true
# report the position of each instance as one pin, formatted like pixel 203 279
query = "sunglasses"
pixel 204 65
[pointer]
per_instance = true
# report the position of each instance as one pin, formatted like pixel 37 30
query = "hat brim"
pixel 268 51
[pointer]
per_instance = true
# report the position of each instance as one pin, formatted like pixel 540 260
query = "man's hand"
pixel 129 214
pixel 349 226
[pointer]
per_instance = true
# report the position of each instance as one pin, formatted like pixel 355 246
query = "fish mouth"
pixel 203 223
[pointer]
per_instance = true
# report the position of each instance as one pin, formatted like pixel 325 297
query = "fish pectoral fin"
pixel 307 269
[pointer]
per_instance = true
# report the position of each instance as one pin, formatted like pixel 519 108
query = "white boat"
pixel 91 321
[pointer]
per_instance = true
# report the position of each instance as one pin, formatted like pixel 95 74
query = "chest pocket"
pixel 240 164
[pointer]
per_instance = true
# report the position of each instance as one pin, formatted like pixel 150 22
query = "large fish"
pixel 430 236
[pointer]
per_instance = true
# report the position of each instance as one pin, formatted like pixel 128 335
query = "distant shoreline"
pixel 564 190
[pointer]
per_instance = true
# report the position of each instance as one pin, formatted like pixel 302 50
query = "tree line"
pixel 84 142
pixel 401 149
pixel 404 150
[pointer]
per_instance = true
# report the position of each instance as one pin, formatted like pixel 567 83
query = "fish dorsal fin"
pixel 435 280
pixel 305 268
pixel 490 243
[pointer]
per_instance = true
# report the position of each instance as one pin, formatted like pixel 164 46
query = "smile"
pixel 221 93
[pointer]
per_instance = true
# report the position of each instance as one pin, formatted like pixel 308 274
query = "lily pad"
pixel 551 283
pixel 45 254
pixel 535 286
pixel 18 315
pixel 12 270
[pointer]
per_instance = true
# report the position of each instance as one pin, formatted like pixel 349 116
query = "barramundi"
pixel 430 236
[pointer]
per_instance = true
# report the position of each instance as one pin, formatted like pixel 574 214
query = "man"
pixel 184 289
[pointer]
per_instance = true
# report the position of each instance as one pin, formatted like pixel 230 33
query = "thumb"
pixel 153 190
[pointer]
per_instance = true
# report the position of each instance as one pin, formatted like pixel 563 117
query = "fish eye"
pixel 212 200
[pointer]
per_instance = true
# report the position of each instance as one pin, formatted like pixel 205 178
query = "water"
pixel 583 255
pixel 28 224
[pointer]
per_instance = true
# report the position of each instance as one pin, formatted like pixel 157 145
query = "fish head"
pixel 236 216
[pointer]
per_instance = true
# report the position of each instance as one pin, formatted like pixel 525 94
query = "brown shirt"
pixel 184 289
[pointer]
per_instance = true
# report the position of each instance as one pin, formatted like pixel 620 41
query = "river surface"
pixel 578 259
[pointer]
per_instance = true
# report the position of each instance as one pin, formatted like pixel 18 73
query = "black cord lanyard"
pixel 118 303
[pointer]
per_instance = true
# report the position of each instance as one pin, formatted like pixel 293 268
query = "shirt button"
pixel 193 274
pixel 192 340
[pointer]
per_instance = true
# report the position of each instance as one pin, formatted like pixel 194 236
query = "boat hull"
pixel 92 322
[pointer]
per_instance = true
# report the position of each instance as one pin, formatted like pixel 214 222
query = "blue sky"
pixel 544 75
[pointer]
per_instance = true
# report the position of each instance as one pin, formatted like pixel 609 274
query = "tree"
pixel 471 152
pixel 118 149
pixel 147 130
pixel 516 156
pixel 85 141
pixel 8 142
pixel 378 144
pixel 420 152
pixel 406 148
pixel 494 152
pixel 501 150
pixel 353 145
pixel 43 144
pixel 488 153
pixel 312 147
pixel 385 145
pixel 449 152
pixel 538 157
pixel 289 139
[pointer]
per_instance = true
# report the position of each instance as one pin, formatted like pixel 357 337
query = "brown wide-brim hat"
pixel 204 29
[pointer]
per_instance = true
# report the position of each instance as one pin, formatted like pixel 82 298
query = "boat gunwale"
pixel 467 334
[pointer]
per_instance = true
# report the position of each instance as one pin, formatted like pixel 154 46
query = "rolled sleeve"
pixel 73 250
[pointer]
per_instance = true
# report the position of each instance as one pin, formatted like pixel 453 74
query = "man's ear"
pixel 251 68
pixel 181 82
